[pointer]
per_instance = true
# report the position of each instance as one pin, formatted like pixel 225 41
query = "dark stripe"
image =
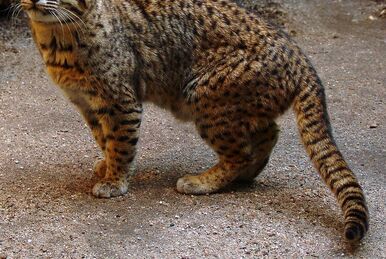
pixel 358 198
pixel 133 141
pixel 339 178
pixel 78 41
pixel 310 92
pixel 320 130
pixel 328 155
pixel 142 9
pixel 335 170
pixel 130 122
pixel 361 215
pixel 65 65
pixel 65 48
pixel 105 110
pixel 74 10
pixel 316 140
pixel 123 138
pixel 130 111
pixel 123 152
pixel 43 46
pixel 310 124
pixel 308 107
pixel 53 45
pixel 78 67
pixel 122 109
pixel 94 124
pixel 305 96
pixel 118 160
pixel 309 116
pixel 346 185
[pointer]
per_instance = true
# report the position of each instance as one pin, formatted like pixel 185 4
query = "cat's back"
pixel 168 21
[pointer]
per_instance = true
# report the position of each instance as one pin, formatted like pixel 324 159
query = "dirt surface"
pixel 47 152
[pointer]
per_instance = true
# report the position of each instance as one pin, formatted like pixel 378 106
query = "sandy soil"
pixel 46 155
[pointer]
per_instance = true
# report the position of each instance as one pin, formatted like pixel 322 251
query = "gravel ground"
pixel 46 155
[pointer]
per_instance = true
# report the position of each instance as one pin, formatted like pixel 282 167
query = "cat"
pixel 207 61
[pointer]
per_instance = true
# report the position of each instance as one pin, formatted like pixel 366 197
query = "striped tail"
pixel 314 127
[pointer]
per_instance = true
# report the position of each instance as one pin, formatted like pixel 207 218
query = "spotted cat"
pixel 208 61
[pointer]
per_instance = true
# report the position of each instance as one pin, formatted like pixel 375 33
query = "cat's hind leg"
pixel 231 131
pixel 264 141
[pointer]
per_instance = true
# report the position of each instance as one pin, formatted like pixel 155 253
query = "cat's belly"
pixel 182 111
pixel 177 106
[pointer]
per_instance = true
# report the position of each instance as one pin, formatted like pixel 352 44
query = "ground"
pixel 47 152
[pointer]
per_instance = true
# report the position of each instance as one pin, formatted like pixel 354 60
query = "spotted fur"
pixel 208 61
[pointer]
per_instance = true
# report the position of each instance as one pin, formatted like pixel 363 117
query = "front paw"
pixel 108 188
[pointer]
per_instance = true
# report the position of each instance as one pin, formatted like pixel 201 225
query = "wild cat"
pixel 207 61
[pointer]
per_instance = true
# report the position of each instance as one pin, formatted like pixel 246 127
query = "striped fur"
pixel 315 130
pixel 210 62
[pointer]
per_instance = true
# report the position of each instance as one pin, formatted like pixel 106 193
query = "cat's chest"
pixel 66 71
pixel 57 47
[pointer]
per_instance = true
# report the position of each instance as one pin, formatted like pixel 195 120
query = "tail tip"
pixel 353 232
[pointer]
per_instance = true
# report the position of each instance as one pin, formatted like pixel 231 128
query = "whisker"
pixel 60 14
pixel 74 19
pixel 16 8
pixel 64 18
pixel 10 8
pixel 73 15
pixel 19 10
pixel 78 28
pixel 52 12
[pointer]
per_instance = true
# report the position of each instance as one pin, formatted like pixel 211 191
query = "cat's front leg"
pixel 120 124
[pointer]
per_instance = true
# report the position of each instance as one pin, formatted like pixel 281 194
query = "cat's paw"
pixel 100 168
pixel 193 184
pixel 108 189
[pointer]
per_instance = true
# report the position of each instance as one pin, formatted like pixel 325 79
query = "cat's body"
pixel 210 62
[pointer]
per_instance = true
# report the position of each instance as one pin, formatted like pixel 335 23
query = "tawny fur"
pixel 210 62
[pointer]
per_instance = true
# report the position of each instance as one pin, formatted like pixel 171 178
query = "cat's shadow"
pixel 310 209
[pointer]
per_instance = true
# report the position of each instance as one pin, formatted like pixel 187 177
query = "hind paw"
pixel 192 184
